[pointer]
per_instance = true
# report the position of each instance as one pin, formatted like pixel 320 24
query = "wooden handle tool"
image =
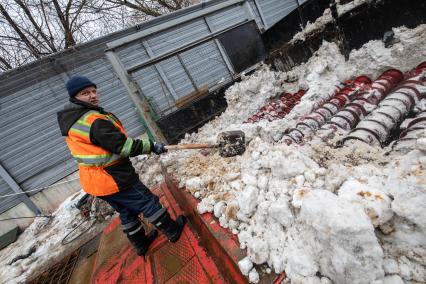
pixel 189 146
pixel 230 143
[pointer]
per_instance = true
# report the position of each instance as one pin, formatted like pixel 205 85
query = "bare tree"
pixel 31 29
pixel 153 8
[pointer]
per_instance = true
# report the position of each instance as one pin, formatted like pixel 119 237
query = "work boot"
pixel 140 241
pixel 171 228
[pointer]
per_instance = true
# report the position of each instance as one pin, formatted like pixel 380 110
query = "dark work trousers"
pixel 133 201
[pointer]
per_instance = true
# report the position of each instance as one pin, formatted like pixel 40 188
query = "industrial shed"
pixel 167 62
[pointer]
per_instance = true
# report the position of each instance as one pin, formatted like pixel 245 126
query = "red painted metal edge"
pixel 220 243
pixel 226 263
pixel 211 270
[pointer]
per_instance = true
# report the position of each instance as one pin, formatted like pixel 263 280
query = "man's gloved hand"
pixel 159 148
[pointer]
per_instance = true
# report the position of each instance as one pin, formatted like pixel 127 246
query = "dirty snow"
pixel 321 214
pixel 314 27
pixel 46 235
pixel 326 18
pixel 344 8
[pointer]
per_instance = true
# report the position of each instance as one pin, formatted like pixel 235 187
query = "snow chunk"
pixel 390 266
pixel 349 251
pixel 407 185
pixel 393 279
pixel 253 276
pixel 206 205
pixel 258 250
pixel 376 203
pixel 193 183
pixel 421 144
pixel 245 265
pixel 219 208
pixel 247 200
pixel 280 211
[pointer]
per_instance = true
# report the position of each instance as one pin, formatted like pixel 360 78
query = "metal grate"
pixel 59 273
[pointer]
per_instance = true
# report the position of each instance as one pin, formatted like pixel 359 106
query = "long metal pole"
pixel 20 193
pixel 302 19
pixel 141 103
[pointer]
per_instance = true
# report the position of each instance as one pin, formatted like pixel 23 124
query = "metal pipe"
pixel 364 102
pixel 277 109
pixel 312 122
pixel 378 125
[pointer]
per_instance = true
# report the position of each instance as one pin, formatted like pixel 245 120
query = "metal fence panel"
pixel 132 54
pixel 154 89
pixel 170 39
pixel 177 76
pixel 31 134
pixel 256 14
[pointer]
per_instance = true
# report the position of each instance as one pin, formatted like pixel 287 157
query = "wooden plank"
pixel 183 101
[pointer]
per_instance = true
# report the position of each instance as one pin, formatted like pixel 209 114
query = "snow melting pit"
pixel 320 213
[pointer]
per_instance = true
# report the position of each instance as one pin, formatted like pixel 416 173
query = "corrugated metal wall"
pixel 173 78
pixel 32 150
pixel 269 12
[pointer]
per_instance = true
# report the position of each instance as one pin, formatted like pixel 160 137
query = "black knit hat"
pixel 77 83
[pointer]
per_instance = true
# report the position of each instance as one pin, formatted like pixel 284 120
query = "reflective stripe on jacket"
pixel 94 161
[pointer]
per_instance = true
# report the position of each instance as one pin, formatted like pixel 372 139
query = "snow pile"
pixel 148 168
pixel 314 27
pixel 326 18
pixel 344 8
pixel 40 244
pixel 320 76
pixel 321 214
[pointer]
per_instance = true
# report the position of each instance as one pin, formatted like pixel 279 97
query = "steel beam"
pixel 136 94
pixel 222 51
pixel 18 190
pixel 160 71
pixel 262 16
pixel 184 47
pixel 194 84
pixel 172 23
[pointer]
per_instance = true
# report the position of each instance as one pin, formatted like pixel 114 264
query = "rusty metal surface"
pixel 82 271
pixel 86 260
pixel 113 242
pixel 182 262
pixel 59 273
pixel 220 246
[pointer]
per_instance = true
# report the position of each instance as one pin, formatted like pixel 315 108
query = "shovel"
pixel 230 143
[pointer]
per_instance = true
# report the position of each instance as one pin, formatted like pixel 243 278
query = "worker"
pixel 99 144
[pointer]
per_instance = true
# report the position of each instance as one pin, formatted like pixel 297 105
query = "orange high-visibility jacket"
pixel 100 146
